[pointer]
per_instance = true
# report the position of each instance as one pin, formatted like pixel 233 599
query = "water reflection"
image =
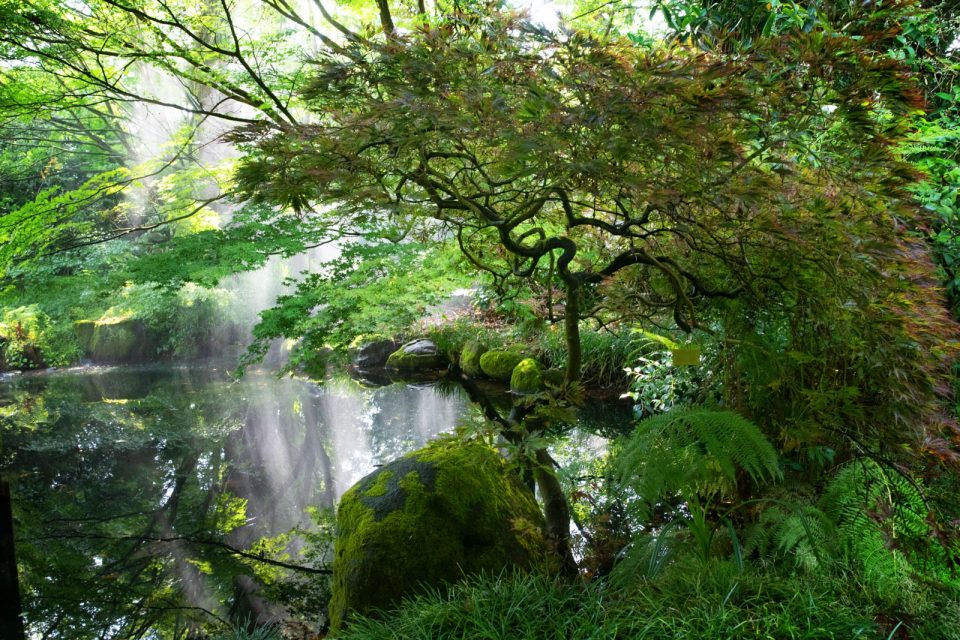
pixel 151 502
pixel 132 486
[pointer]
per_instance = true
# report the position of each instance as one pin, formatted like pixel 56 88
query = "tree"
pixel 677 179
pixel 741 190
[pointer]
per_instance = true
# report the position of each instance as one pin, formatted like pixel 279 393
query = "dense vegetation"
pixel 772 186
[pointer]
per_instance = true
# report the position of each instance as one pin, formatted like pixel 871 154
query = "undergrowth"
pixel 689 601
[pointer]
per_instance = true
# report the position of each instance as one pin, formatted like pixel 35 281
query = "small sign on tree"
pixel 686 356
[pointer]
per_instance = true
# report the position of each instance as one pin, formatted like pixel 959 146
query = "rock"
pixel 120 339
pixel 421 347
pixel 499 364
pixel 470 357
pixel 84 332
pixel 526 377
pixel 371 355
pixel 432 517
pixel 416 355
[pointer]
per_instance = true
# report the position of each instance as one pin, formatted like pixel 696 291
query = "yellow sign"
pixel 686 356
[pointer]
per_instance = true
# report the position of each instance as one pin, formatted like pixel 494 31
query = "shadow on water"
pixel 144 498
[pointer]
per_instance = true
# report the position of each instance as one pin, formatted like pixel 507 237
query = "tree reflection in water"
pixel 143 497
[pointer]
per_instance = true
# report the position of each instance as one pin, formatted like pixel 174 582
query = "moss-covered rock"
pixel 526 377
pixel 416 355
pixel 499 364
pixel 84 332
pixel 115 339
pixel 470 357
pixel 448 510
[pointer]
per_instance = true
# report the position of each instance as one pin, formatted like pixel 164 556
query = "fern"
pixel 693 450
pixel 881 523
pixel 794 532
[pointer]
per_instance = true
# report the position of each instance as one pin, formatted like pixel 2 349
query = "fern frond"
pixel 881 520
pixel 795 532
pixel 693 450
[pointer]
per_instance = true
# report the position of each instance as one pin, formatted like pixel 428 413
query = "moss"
pixel 113 339
pixel 431 517
pixel 401 361
pixel 367 338
pixel 84 331
pixel 499 364
pixel 380 487
pixel 526 377
pixel 470 357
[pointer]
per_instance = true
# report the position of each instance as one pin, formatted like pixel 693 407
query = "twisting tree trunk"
pixel 571 328
pixel 556 510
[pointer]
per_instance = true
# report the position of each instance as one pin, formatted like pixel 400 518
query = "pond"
pixel 151 500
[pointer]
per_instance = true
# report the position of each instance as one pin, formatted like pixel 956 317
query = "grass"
pixel 718 603
pixel 605 354
pixel 240 632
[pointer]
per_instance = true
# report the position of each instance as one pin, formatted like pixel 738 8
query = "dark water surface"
pixel 145 497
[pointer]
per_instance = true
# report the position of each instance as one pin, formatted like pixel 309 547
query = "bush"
pixel 31 340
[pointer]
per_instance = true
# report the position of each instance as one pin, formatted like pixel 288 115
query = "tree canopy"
pixel 771 179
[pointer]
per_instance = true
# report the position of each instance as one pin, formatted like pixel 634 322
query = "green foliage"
pixel 657 386
pixel 362 291
pixel 240 632
pixel 792 533
pixel 870 524
pixel 30 339
pixel 21 331
pixel 452 338
pixel 486 607
pixel 44 222
pixel 692 602
pixel 882 524
pixel 933 148
pixel 606 353
pixel 691 452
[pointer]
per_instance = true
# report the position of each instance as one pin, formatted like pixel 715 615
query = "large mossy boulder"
pixel 119 339
pixel 470 357
pixel 432 517
pixel 416 355
pixel 499 364
pixel 527 377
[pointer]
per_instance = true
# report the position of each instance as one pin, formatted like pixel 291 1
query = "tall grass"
pixel 713 602
pixel 606 354
pixel 240 632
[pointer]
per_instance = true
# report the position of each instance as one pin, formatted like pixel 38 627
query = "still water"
pixel 157 502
